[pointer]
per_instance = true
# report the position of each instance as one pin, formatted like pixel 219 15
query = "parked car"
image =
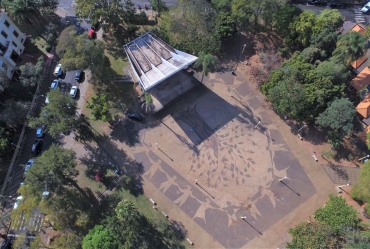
pixel 54 84
pixel 58 70
pixel 73 92
pixel 78 75
pixel 40 131
pixel 28 165
pixel 17 201
pixel 36 147
pixel 335 4
pixel 319 2
pixel 7 244
pixel 366 8
pixel 134 116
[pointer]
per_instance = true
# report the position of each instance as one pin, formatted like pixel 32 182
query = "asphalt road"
pixel 347 13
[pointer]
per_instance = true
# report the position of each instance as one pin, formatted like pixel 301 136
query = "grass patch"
pixel 117 64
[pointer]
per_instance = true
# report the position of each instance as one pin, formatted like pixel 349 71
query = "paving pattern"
pixel 341 174
pixel 237 156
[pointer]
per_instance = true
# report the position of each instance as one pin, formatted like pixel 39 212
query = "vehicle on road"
pixel 28 165
pixel 78 75
pixel 54 84
pixel 335 4
pixel 17 201
pixel 36 147
pixel 319 2
pixel 40 131
pixel 134 116
pixel 366 8
pixel 58 70
pixel 73 92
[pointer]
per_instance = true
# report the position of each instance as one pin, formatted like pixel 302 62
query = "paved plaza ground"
pixel 216 155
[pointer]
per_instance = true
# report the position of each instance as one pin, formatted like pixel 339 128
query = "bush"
pixel 48 48
pixel 329 153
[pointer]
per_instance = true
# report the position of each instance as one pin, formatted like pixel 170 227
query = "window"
pixel 4 34
pixel 14 44
pixel 15 33
pixel 22 40
pixel 6 23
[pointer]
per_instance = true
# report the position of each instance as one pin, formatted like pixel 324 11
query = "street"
pixel 347 13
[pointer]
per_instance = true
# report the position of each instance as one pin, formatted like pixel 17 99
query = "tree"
pixel 54 169
pixel 350 47
pixel 4 79
pixel 127 212
pixel 222 5
pixel 6 138
pixel 207 62
pixel 337 214
pixel 325 41
pixel 191 27
pixel 14 113
pixel 100 107
pixel 361 190
pixel 58 116
pixel 225 25
pixel 328 18
pixel 99 238
pixel 339 115
pixel 283 17
pixel 158 5
pixel 288 98
pixel 312 234
pixel 67 240
pixel 301 30
pixel 30 73
pixel 335 71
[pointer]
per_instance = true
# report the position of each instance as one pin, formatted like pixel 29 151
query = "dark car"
pixel 319 2
pixel 36 147
pixel 78 75
pixel 335 4
pixel 7 244
pixel 134 116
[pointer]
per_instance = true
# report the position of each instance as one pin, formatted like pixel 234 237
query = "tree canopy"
pixel 361 190
pixel 100 107
pixel 339 115
pixel 99 238
pixel 350 47
pixel 58 116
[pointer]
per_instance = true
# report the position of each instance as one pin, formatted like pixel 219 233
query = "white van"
pixel 58 70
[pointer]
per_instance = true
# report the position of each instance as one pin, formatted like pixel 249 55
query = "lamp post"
pixel 5 196
pixel 15 145
pixel 304 126
pixel 243 49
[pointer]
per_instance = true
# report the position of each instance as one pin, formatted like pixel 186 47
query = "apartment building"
pixel 11 44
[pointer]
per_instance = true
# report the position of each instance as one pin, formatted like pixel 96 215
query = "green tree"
pixel 54 170
pixel 333 70
pixel 328 18
pixel 127 212
pixel 222 5
pixel 337 214
pixel 5 82
pixel 158 5
pixel 99 238
pixel 325 41
pixel 225 25
pixel 191 27
pixel 6 138
pixel 283 16
pixel 67 240
pixel 339 115
pixel 312 234
pixel 99 105
pixel 301 30
pixel 361 190
pixel 31 73
pixel 208 63
pixel 58 116
pixel 350 47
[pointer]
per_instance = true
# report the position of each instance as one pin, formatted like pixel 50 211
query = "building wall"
pixel 11 43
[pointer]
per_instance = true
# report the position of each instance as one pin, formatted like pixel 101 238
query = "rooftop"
pixel 153 60
pixel 362 80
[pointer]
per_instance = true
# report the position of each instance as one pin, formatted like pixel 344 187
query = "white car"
pixel 17 201
pixel 28 165
pixel 366 8
pixel 73 92
pixel 54 84
pixel 58 70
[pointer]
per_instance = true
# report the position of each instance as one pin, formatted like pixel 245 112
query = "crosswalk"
pixel 22 223
pixel 359 16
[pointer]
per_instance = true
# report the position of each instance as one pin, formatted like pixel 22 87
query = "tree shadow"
pixel 126 132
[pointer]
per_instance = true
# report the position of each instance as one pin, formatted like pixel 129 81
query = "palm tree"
pixel 208 63
pixel 127 211
pixel 350 47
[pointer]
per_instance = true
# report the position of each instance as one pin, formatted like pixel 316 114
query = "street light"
pixel 304 126
pixel 244 48
pixel 5 196
pixel 15 145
